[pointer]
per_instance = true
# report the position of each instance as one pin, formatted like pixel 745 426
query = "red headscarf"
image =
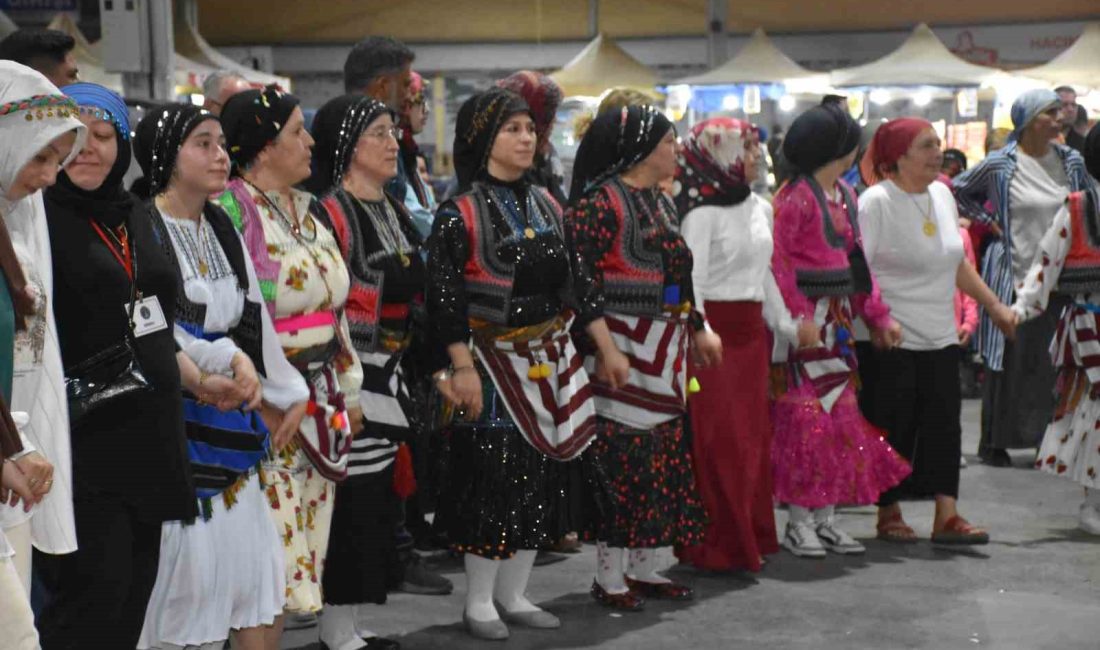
pixel 890 143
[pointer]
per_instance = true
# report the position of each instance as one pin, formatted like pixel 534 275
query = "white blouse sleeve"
pixel 696 230
pixel 1042 277
pixel 283 385
pixel 212 356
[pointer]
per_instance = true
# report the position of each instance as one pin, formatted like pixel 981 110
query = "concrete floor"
pixel 1035 586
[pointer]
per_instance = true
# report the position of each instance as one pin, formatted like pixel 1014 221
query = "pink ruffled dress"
pixel 823 451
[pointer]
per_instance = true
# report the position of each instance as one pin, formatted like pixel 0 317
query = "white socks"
pixel 797 515
pixel 823 515
pixel 337 624
pixel 361 618
pixel 643 566
pixel 511 583
pixel 481 577
pixel 609 569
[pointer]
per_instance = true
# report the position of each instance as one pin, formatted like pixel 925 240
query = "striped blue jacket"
pixel 988 181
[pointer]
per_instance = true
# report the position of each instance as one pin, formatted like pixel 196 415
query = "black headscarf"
pixel 1091 152
pixel 337 128
pixel 109 203
pixel 616 141
pixel 252 120
pixel 479 121
pixel 819 136
pixel 158 140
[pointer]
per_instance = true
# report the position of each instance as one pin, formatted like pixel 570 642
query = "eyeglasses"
pixel 384 132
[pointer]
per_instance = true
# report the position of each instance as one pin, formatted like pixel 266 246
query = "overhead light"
pixel 922 98
pixel 752 99
pixel 879 97
pixel 786 103
pixel 731 102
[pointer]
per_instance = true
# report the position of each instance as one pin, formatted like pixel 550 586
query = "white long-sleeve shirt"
pixel 732 247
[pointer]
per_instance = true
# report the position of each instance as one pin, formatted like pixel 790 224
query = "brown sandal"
pixel 958 531
pixel 895 531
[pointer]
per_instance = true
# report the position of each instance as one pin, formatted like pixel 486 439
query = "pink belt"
pixel 305 321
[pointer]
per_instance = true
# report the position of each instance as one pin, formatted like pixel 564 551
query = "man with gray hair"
pixel 219 86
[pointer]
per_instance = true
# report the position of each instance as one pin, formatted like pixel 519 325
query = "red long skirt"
pixel 732 438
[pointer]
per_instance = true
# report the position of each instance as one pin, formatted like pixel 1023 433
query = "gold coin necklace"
pixel 929 226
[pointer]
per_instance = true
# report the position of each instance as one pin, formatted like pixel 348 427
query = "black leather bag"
pixel 108 375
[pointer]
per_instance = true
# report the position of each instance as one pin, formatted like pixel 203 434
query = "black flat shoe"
pixel 997 458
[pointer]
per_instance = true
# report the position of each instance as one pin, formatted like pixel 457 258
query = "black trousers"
pixel 918 402
pixel 97 596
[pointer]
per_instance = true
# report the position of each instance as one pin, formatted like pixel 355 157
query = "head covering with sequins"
pixel 479 120
pixel 160 135
pixel 616 141
pixel 252 120
pixel 542 94
pixel 337 128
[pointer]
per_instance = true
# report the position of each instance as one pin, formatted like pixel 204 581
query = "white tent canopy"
pixel 1078 65
pixel 759 61
pixel 602 64
pixel 922 60
pixel 191 43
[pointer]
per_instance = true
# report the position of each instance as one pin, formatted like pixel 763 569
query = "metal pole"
pixel 163 50
pixel 717 10
pixel 593 18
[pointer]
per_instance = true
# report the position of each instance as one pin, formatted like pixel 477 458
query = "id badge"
pixel 148 316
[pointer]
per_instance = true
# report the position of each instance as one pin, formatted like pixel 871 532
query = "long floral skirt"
pixel 655 501
pixel 301 505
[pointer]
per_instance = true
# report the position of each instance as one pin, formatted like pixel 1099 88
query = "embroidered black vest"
pixel 248 332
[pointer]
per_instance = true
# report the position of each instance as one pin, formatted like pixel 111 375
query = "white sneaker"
pixel 836 540
pixel 1089 520
pixel 962 462
pixel 801 540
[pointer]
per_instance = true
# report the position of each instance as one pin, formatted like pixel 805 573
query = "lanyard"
pixel 122 253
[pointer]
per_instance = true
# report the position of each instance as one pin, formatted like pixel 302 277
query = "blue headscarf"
pixel 1028 106
pixel 109 203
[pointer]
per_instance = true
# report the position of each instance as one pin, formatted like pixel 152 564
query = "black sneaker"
pixel 419 579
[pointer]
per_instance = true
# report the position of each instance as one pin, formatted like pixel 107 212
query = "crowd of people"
pixel 231 392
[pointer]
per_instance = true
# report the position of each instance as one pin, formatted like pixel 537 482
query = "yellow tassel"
pixel 539 371
pixel 693 386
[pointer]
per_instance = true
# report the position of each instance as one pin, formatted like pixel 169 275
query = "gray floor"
pixel 1037 585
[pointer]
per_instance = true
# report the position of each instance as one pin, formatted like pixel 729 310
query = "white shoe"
pixel 836 540
pixel 962 461
pixel 1089 520
pixel 801 540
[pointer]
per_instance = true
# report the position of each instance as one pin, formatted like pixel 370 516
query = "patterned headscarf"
pixel 712 164
pixel 1028 106
pixel 252 120
pixel 337 128
pixel 892 140
pixel 616 141
pixel 33 112
pixel 542 94
pixel 479 121
pixel 160 135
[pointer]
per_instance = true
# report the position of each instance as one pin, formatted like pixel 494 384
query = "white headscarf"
pixel 32 113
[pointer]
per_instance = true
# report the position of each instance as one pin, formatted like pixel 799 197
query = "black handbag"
pixel 109 374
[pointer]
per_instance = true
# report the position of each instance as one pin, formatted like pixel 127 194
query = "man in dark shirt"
pixel 46 50
pixel 1074 118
